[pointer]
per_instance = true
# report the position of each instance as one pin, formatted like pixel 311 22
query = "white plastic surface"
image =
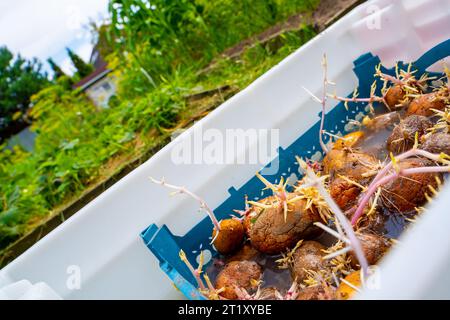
pixel 24 290
pixel 102 240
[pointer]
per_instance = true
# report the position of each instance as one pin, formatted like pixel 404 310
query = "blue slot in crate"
pixel 166 246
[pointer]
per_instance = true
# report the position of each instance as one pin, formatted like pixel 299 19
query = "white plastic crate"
pixel 102 239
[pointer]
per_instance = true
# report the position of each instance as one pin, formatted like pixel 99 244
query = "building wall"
pixel 24 138
pixel 102 90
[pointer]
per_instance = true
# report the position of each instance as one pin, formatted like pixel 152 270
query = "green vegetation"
pixel 160 39
pixel 57 71
pixel 83 68
pixel 157 53
pixel 19 79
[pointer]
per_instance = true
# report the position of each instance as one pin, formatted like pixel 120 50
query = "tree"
pixel 83 68
pixel 56 69
pixel 19 80
pixel 103 38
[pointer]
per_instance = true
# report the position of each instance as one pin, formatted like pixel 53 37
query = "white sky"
pixel 43 28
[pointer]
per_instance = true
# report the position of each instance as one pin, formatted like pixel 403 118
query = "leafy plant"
pixel 83 68
pixel 19 79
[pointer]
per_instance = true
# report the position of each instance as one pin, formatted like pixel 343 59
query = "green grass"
pixel 78 145
pixel 159 43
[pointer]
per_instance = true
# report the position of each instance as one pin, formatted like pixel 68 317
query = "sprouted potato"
pixel 407 193
pixel 426 104
pixel 307 259
pixel 404 134
pixel 437 143
pixel 230 237
pixel 374 247
pixel 241 274
pixel 322 291
pixel 345 192
pixel 395 96
pixel 273 233
pixel 390 168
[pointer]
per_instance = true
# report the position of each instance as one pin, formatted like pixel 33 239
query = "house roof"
pixel 96 59
pixel 96 75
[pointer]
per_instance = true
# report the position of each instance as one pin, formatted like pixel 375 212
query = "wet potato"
pixel 425 103
pixel 373 246
pixel 382 121
pixel 230 237
pixel 353 164
pixel 344 193
pixel 272 234
pixel 246 252
pixel 350 140
pixel 255 211
pixel 437 143
pixel 404 134
pixel 395 96
pixel 347 168
pixel 318 292
pixel 308 257
pixel 242 274
pixel 404 194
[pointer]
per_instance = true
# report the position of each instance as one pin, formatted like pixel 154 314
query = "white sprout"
pixel 340 217
pixel 203 205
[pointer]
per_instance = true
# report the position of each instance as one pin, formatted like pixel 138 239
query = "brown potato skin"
pixel 251 217
pixel 424 104
pixel 255 211
pixel 230 237
pixel 404 194
pixel 403 136
pixel 437 143
pixel 344 193
pixel 271 234
pixel 316 293
pixel 240 274
pixel 247 252
pixel 349 140
pixel 394 96
pixel 373 246
pixel 351 164
pixel 382 121
pixel 309 257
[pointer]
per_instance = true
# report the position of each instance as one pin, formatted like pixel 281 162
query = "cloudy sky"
pixel 43 28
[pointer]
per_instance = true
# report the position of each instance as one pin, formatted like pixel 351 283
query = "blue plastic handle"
pixel 432 56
